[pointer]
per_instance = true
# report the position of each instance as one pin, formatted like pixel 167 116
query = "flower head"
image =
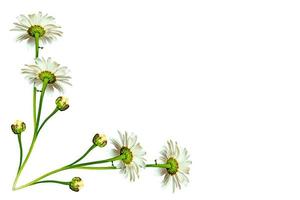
pixel 39 25
pixel 178 161
pixel 100 140
pixel 47 70
pixel 76 184
pixel 18 127
pixel 62 103
pixel 133 155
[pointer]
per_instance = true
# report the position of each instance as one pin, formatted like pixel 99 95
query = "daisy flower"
pixel 133 155
pixel 37 25
pixel 47 70
pixel 178 160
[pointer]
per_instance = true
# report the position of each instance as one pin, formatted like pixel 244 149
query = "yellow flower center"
pixel 173 166
pixel 128 157
pixel 47 75
pixel 36 29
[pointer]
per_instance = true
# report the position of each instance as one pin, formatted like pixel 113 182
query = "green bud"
pixel 18 127
pixel 62 103
pixel 76 184
pixel 100 140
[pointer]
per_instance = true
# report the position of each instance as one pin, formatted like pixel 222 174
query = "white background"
pixel 219 77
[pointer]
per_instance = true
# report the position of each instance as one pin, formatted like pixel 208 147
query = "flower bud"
pixel 100 140
pixel 18 127
pixel 76 184
pixel 62 103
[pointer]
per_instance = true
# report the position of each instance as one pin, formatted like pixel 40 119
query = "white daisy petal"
pixel 116 144
pixel 173 183
pixel 132 141
pixel 45 22
pixel 126 139
pixel 35 73
pixel 130 167
pixel 166 179
pixel 180 169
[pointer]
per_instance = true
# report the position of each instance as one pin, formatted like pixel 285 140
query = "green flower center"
pixel 173 166
pixel 36 29
pixel 127 155
pixel 47 75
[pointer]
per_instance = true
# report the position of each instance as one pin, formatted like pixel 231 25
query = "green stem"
pixel 36 37
pixel 45 83
pixel 97 168
pixel 34 106
pixel 24 163
pixel 159 165
pixel 44 122
pixel 40 178
pixel 84 155
pixel 20 162
pixel 67 167
pixel 21 151
pixel 52 181
pixel 37 124
pixel 120 157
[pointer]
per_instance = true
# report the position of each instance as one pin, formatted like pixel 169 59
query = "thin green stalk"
pixel 120 157
pixel 34 106
pixel 97 168
pixel 84 155
pixel 40 178
pixel 159 165
pixel 37 124
pixel 21 151
pixel 67 167
pixel 20 162
pixel 44 122
pixel 45 83
pixel 37 38
pixel 24 163
pixel 53 181
pixel 34 134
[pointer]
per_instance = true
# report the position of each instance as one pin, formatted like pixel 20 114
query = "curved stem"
pixel 34 106
pixel 37 38
pixel 52 181
pixel 67 167
pixel 40 178
pixel 20 162
pixel 45 83
pixel 159 165
pixel 21 151
pixel 97 168
pixel 120 157
pixel 44 122
pixel 37 124
pixel 84 155
pixel 24 163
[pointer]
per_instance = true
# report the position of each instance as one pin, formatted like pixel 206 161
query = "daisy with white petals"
pixel 47 71
pixel 178 161
pixel 133 155
pixel 37 25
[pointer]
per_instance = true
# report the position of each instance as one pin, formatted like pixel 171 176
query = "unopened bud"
pixel 100 140
pixel 18 127
pixel 76 184
pixel 62 103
